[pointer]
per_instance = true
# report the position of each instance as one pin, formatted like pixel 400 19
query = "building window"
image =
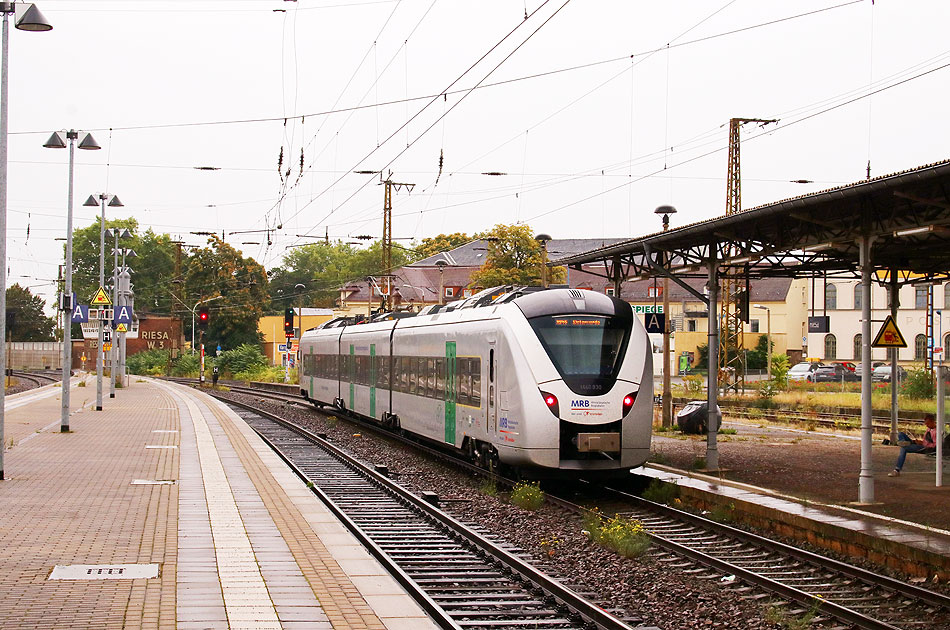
pixel 920 348
pixel 831 297
pixel 920 298
pixel 609 291
pixel 857 347
pixel 691 325
pixel 858 296
pixel 946 297
pixel 754 325
pixel 946 344
pixel 654 292
pixel 831 347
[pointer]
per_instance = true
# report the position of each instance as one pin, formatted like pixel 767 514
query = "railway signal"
pixel 203 317
pixel 288 322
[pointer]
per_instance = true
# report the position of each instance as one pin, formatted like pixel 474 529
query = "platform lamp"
pixel 31 20
pixel 88 143
pixel 441 264
pixel 543 239
pixel 665 212
pixel 102 199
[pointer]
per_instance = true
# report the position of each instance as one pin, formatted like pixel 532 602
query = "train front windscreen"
pixel 587 350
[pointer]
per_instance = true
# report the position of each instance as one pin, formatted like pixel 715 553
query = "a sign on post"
pixel 655 322
pixel 123 314
pixel 80 313
pixel 889 336
pixel 101 298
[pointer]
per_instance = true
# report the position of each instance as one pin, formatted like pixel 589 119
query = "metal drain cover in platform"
pixel 104 572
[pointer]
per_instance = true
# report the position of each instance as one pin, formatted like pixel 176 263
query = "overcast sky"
pixel 168 86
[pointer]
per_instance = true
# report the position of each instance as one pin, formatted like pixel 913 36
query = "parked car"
pixel 851 367
pixel 804 371
pixel 882 374
pixel 874 364
pixel 835 373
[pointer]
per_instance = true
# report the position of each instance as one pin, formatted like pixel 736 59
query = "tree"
pixel 441 243
pixel 152 269
pixel 323 268
pixel 514 257
pixel 758 357
pixel 29 323
pixel 241 283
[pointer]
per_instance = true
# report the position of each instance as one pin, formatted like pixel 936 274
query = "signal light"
pixel 203 318
pixel 551 401
pixel 289 322
pixel 628 401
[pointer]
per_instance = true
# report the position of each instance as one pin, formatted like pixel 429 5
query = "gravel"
pixel 641 590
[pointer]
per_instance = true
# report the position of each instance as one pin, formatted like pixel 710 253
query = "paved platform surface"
pixel 174 483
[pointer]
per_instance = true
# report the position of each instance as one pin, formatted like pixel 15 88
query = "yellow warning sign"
pixel 122 328
pixel 889 336
pixel 101 298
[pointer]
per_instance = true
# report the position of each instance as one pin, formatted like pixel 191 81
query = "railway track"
pixel 37 378
pixel 836 591
pixel 460 577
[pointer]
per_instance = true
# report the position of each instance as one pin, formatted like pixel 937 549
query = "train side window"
pixel 413 375
pixel 403 375
pixel 382 372
pixel 464 382
pixel 430 378
pixel 491 365
pixel 440 379
pixel 475 367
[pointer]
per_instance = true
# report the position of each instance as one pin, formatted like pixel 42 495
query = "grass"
pixel 489 487
pixel 527 496
pixel 659 458
pixel 698 464
pixel 727 431
pixel 625 536
pixel 661 492
pixel 723 513
pixel 880 400
pixel 81 384
pixel 777 614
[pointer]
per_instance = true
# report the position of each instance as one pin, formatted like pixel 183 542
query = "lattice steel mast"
pixel 387 240
pixel 733 309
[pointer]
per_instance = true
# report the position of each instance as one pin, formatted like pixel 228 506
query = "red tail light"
pixel 628 401
pixel 551 401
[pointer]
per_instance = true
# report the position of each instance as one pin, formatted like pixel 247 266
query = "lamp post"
pixel 441 264
pixel 543 239
pixel 113 202
pixel 32 20
pixel 768 337
pixel 114 352
pixel 56 141
pixel 665 212
pixel 125 295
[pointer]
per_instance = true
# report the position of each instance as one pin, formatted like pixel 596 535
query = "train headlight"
pixel 628 401
pixel 551 401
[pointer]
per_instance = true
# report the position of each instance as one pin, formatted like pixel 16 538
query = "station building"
pixel 840 300
pixel 271 328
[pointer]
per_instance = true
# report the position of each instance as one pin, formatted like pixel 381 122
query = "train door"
pixel 492 406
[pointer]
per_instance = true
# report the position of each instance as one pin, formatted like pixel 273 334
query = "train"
pixel 549 382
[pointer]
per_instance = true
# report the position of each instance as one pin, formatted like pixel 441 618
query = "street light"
pixel 441 264
pixel 56 141
pixel 32 20
pixel 543 239
pixel 768 337
pixel 665 212
pixel 114 352
pixel 92 202
pixel 125 297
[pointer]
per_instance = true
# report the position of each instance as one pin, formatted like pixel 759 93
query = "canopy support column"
pixel 941 418
pixel 712 382
pixel 895 302
pixel 866 477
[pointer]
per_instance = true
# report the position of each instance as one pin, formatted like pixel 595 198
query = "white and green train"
pixel 544 381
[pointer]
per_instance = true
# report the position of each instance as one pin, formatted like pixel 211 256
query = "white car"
pixel 804 371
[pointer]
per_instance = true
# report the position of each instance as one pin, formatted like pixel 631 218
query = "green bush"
pixel 919 384
pixel 693 384
pixel 780 369
pixel 661 492
pixel 527 496
pixel 624 535
pixel 185 365
pixel 246 358
pixel 149 363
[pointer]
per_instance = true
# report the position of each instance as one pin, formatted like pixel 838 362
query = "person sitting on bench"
pixel 910 445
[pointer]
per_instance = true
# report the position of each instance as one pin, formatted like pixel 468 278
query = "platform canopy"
pixel 907 214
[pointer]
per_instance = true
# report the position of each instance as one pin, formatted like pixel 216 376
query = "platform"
pixel 165 510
